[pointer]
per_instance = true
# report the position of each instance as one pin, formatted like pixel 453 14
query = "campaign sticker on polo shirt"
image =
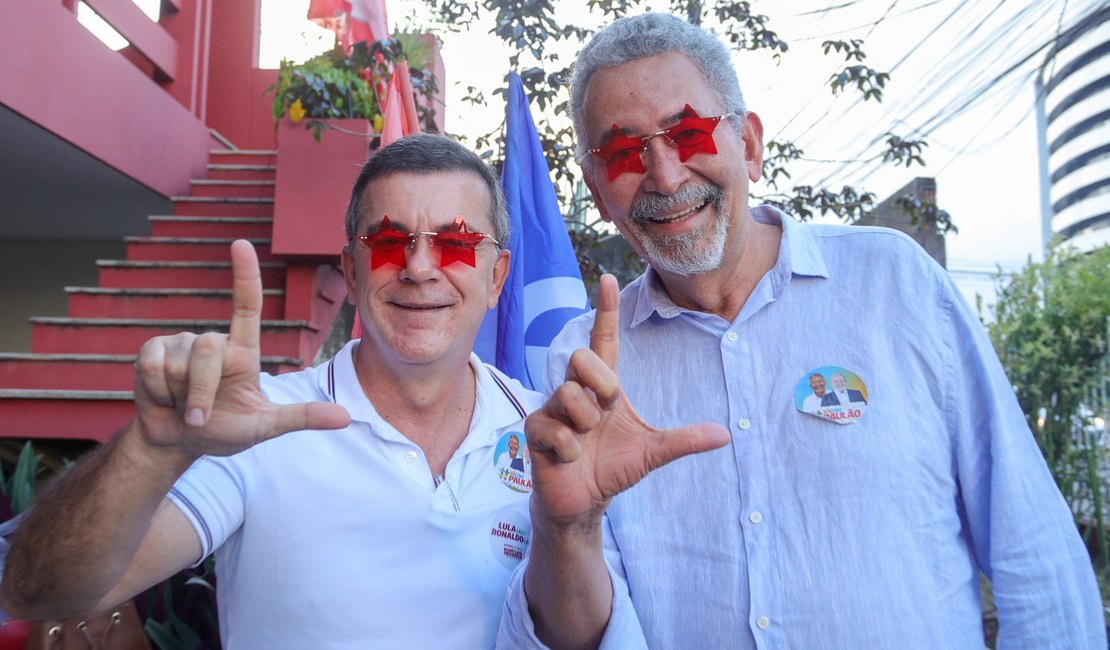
pixel 831 393
pixel 509 535
pixel 513 462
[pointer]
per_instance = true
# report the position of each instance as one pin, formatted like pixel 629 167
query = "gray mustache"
pixel 651 205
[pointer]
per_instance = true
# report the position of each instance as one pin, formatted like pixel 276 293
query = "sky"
pixel 942 55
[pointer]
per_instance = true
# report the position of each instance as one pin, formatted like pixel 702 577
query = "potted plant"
pixel 347 85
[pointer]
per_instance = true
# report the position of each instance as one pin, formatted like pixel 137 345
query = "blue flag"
pixel 544 289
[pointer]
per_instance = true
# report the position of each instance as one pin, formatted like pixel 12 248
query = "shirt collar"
pixel 339 382
pixel 799 255
pixel 495 405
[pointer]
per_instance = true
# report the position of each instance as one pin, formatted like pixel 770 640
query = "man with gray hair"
pixel 396 529
pixel 775 527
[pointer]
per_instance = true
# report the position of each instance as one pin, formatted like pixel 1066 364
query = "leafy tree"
pixel 1050 330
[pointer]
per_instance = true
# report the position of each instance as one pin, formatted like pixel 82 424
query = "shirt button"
pixel 732 336
pixel 763 622
pixel 411 457
pixel 756 517
pixel 745 424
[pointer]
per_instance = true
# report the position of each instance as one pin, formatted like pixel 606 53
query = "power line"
pixel 856 28
pixel 965 74
pixel 830 8
pixel 859 99
pixel 944 74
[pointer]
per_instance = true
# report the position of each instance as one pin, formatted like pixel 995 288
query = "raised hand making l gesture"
pixel 200 393
pixel 588 444
pixel 194 395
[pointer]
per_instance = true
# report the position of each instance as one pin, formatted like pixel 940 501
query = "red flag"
pixel 368 20
pixel 334 15
pixel 329 14
pixel 351 20
pixel 412 120
pixel 394 125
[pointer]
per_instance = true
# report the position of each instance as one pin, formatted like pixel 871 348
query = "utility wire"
pixel 973 92
pixel 829 8
pixel 932 83
pixel 859 99
pixel 851 30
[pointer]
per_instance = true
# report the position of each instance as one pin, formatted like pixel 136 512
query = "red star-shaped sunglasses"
pixel 456 243
pixel 693 134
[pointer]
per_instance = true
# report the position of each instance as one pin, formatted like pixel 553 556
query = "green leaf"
pixel 188 638
pixel 161 635
pixel 23 479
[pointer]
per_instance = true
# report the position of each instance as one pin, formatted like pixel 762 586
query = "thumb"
pixel 308 415
pixel 673 444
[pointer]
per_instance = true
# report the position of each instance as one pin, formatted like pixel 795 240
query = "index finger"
pixel 603 335
pixel 246 295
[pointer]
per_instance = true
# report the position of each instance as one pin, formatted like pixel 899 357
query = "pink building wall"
pixel 146 110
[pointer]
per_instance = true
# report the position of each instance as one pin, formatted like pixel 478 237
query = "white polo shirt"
pixel 342 539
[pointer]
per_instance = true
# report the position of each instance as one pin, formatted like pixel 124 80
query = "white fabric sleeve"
pixel 212 496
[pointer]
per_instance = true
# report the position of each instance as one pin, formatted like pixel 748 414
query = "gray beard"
pixel 692 253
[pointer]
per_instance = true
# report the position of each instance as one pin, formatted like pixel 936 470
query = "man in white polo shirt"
pixel 352 505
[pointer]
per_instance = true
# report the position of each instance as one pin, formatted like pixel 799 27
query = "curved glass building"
pixel 1073 90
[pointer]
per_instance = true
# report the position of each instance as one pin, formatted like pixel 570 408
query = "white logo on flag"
pixel 540 297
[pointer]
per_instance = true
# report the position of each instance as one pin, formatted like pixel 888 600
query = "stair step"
pixel 64 414
pixel 243 156
pixel 201 182
pixel 190 249
pixel 99 302
pixel 223 199
pixel 90 371
pixel 231 151
pixel 127 335
pixel 187 275
pixel 230 167
pixel 200 206
pixel 208 188
pixel 219 171
pixel 67 371
pixel 236 227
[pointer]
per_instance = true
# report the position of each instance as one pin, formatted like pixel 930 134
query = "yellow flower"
pixel 378 122
pixel 296 111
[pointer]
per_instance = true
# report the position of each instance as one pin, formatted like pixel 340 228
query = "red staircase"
pixel 76 382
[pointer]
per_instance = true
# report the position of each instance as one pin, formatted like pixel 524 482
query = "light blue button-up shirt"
pixel 809 534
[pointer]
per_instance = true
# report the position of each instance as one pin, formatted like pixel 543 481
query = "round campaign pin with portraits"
pixel 512 461
pixel 831 393
pixel 509 535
